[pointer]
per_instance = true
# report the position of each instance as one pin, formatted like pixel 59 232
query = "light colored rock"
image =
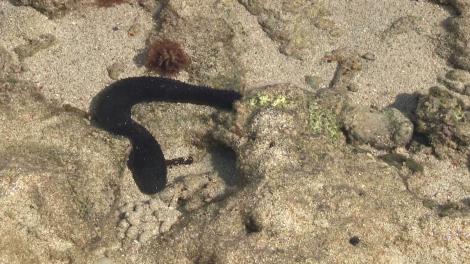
pixel 384 130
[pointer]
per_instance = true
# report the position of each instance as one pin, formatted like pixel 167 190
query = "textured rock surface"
pixel 309 194
pixel 384 130
pixel 273 182
pixel 296 25
pixel 52 8
pixel 444 118
pixel 7 64
pixel 59 178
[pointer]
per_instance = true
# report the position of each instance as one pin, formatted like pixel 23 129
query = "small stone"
pixel 134 219
pixel 104 260
pixel 134 30
pixel 335 32
pixel 127 207
pixel 354 240
pixel 169 219
pixel 132 232
pixel 150 227
pixel 324 23
pixel 123 224
pixel 352 87
pixel 115 69
pixel 34 45
pixel 466 90
pixel 381 129
pixel 149 5
pixel 156 204
pixel 145 236
pixel 148 218
pixel 369 56
pixel 313 81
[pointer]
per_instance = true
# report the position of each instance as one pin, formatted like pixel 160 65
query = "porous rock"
pixel 62 172
pixel 7 64
pixel 51 8
pixel 381 129
pixel 444 119
pixel 305 199
pixel 293 23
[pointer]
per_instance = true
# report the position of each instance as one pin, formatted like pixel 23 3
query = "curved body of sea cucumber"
pixel 111 111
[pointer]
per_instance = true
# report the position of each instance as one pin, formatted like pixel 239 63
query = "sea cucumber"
pixel 111 110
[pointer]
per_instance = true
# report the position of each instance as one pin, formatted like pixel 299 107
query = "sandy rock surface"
pixel 339 152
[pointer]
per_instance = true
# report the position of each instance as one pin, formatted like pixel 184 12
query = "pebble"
pixel 313 81
pixel 132 232
pixel 115 69
pixel 369 56
pixel 353 87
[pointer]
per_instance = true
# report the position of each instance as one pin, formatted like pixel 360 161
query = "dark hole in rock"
pixel 418 142
pixel 122 216
pixel 224 161
pixel 272 144
pixel 181 202
pixel 251 225
pixel 354 240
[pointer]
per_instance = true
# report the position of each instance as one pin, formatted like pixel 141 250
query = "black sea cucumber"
pixel 111 111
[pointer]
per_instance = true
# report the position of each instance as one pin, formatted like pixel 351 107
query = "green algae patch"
pixel 324 121
pixel 263 100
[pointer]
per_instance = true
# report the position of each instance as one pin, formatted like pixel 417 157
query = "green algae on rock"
pixel 324 121
pixel 260 100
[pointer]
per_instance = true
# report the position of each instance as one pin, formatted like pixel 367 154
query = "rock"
pixel 303 196
pixel 369 56
pixel 313 82
pixel 7 64
pixel 403 25
pixel 456 80
pixel 59 176
pixel 459 75
pixel 382 129
pixel 115 69
pixel 353 87
pixel 144 220
pixel 443 118
pixel 35 45
pixel 51 8
pixel 278 20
